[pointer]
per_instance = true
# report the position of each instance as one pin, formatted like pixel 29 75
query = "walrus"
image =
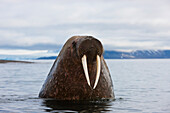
pixel 79 72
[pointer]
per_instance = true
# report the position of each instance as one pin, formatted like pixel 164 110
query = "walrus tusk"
pixel 84 62
pixel 98 72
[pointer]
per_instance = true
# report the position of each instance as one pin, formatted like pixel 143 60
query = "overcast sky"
pixel 118 24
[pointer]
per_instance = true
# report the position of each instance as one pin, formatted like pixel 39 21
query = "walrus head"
pixel 89 51
pixel 79 72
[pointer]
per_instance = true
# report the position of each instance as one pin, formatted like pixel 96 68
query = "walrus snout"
pixel 90 50
pixel 90 46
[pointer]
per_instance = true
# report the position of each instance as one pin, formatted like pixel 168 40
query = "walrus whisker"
pixel 84 62
pixel 98 72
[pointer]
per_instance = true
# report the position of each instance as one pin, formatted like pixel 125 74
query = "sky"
pixel 39 25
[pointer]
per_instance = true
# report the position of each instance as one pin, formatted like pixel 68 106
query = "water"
pixel 139 86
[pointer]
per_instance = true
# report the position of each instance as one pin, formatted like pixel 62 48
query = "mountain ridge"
pixel 137 54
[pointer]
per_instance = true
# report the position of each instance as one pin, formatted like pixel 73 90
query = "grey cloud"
pixel 24 24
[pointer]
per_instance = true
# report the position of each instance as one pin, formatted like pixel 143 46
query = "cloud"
pixel 125 24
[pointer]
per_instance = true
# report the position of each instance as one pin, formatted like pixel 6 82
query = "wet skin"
pixel 67 79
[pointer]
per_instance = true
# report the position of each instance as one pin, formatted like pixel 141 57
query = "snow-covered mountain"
pixel 137 54
pixel 113 54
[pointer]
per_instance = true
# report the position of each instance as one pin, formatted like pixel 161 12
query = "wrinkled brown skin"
pixel 66 80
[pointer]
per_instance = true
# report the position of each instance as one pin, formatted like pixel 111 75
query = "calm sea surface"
pixel 139 86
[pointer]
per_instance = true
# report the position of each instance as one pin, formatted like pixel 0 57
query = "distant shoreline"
pixel 13 61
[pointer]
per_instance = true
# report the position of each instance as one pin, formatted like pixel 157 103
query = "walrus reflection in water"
pixel 79 72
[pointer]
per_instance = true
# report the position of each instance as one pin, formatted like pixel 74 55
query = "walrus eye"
pixel 84 63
